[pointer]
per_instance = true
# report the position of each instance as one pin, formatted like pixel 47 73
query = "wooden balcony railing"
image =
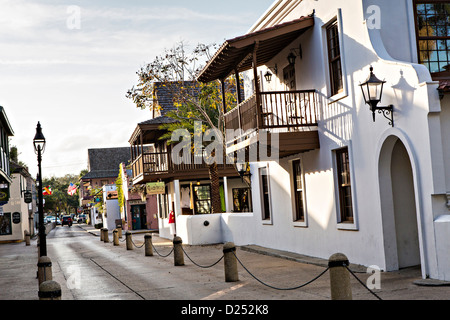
pixel 161 164
pixel 278 109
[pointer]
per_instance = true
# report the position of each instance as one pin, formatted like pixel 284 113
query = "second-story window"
pixel 433 36
pixel 334 58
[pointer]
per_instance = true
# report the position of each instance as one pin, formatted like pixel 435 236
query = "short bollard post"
pixel 44 269
pixel 230 262
pixel 49 290
pixel 101 234
pixel 116 237
pixel 148 245
pixel 105 235
pixel 178 251
pixel 339 277
pixel 119 229
pixel 27 238
pixel 129 240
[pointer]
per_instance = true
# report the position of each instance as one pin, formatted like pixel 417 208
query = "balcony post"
pixel 238 87
pixel 257 89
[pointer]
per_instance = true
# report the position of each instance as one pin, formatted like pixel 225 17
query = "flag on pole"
pixel 47 191
pixel 72 189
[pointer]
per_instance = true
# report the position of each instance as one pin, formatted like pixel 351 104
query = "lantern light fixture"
pixel 268 76
pixel 372 90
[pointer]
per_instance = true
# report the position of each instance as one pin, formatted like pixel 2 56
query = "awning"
pixel 235 54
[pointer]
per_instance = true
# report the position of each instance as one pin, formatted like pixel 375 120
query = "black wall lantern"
pixel 243 168
pixel 291 58
pixel 372 90
pixel 268 76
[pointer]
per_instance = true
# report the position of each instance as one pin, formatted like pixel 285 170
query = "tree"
pixel 60 200
pixel 196 102
pixel 14 156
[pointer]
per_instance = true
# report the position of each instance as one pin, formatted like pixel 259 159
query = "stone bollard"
pixel 119 229
pixel 44 269
pixel 27 238
pixel 116 237
pixel 105 235
pixel 230 262
pixel 178 251
pixel 339 277
pixel 148 245
pixel 49 290
pixel 101 234
pixel 129 240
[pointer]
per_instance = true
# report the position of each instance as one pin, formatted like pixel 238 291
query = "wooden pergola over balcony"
pixel 292 115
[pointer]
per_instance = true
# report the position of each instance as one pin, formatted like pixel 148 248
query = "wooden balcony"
pixel 293 115
pixel 150 167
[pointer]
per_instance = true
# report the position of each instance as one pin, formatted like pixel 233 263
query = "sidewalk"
pixel 281 269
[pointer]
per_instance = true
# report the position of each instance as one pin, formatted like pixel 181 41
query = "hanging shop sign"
pixel 28 197
pixel 4 193
pixel 16 217
pixel 156 188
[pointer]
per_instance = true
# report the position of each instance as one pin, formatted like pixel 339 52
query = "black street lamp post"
pixel 39 146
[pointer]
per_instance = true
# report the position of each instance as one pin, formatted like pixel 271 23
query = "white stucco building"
pixel 376 191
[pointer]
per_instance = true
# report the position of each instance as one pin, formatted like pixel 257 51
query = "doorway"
pixel 398 206
pixel 139 217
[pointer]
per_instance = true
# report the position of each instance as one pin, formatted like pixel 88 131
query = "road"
pixel 88 268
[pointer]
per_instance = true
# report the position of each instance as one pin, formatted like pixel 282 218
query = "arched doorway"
pixel 398 206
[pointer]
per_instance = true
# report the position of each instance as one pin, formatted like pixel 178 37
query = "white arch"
pixel 384 152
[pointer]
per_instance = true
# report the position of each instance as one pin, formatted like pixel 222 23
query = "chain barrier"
pixel 136 244
pixel 362 283
pixel 164 256
pixel 209 266
pixel 248 271
pixel 293 288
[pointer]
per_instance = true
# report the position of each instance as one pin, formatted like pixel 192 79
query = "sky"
pixel 69 64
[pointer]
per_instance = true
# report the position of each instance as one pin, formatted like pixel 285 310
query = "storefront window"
pixel 241 200
pixel 5 224
pixel 202 199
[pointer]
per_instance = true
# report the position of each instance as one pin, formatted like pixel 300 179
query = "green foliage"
pixel 97 193
pixel 59 200
pixel 119 188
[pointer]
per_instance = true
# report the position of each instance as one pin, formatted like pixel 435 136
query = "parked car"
pixel 66 220
pixel 82 218
pixel 58 221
